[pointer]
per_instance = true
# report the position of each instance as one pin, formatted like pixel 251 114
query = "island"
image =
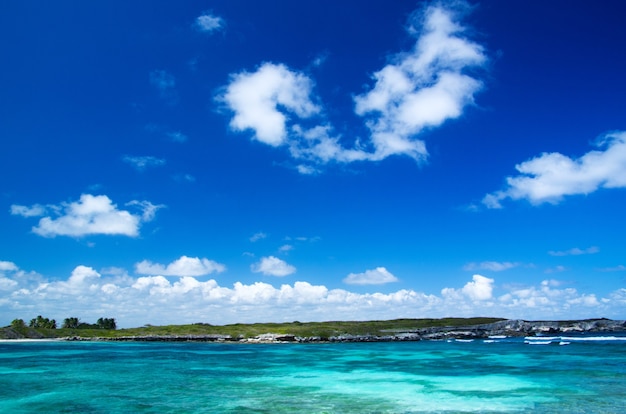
pixel 332 331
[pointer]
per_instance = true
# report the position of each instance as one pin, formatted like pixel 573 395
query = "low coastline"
pixel 504 328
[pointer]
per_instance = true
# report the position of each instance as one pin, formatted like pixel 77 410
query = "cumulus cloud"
pixel 255 99
pixel 83 274
pixel 208 23
pixel 7 266
pixel 377 276
pixel 422 88
pixel 91 215
pixel 131 300
pixel 273 266
pixel 418 89
pixel 184 266
pixel 140 163
pixel 549 177
pixel 489 265
pixel 574 251
pixel 479 289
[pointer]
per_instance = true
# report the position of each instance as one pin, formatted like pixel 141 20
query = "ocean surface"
pixel 549 375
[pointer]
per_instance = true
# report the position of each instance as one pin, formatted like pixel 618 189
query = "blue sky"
pixel 245 161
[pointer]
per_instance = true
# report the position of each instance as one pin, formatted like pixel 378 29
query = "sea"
pixel 579 374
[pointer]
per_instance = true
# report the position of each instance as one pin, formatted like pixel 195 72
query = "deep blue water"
pixel 408 377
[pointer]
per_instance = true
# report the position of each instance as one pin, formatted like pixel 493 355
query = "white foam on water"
pixel 542 338
pixel 593 338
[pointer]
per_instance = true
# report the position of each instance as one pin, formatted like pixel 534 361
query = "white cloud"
pixel 184 266
pixel 489 265
pixel 255 98
pixel 142 162
pixel 273 266
pixel 36 210
pixel 575 251
pixel 208 23
pixel 422 88
pixel 419 89
pixel 83 274
pixel 154 299
pixel 7 266
pixel 6 283
pixel 285 248
pixel 258 236
pixel 94 215
pixel 551 176
pixel 479 289
pixel 377 276
pixel 148 210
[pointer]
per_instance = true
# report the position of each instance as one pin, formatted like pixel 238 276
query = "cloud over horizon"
pixel 135 301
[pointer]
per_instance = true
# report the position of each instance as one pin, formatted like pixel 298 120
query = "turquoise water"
pixel 407 377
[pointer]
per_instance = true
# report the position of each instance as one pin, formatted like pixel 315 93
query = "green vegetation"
pixel 303 329
pixel 41 322
pixel 41 327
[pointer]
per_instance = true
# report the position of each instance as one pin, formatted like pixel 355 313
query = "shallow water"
pixel 402 377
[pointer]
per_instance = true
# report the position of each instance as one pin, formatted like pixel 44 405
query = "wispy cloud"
pixel 285 248
pixel 273 266
pixel 618 268
pixel 184 178
pixel 208 23
pixel 177 136
pixel 419 89
pixel 184 266
pixel 574 251
pixel 165 83
pixel 378 276
pixel 549 177
pixel 36 210
pixel 91 215
pixel 556 269
pixel 140 163
pixel 258 236
pixel 489 265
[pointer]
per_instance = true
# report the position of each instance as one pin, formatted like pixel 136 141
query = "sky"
pixel 248 161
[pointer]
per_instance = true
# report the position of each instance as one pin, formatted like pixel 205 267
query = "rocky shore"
pixel 509 328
